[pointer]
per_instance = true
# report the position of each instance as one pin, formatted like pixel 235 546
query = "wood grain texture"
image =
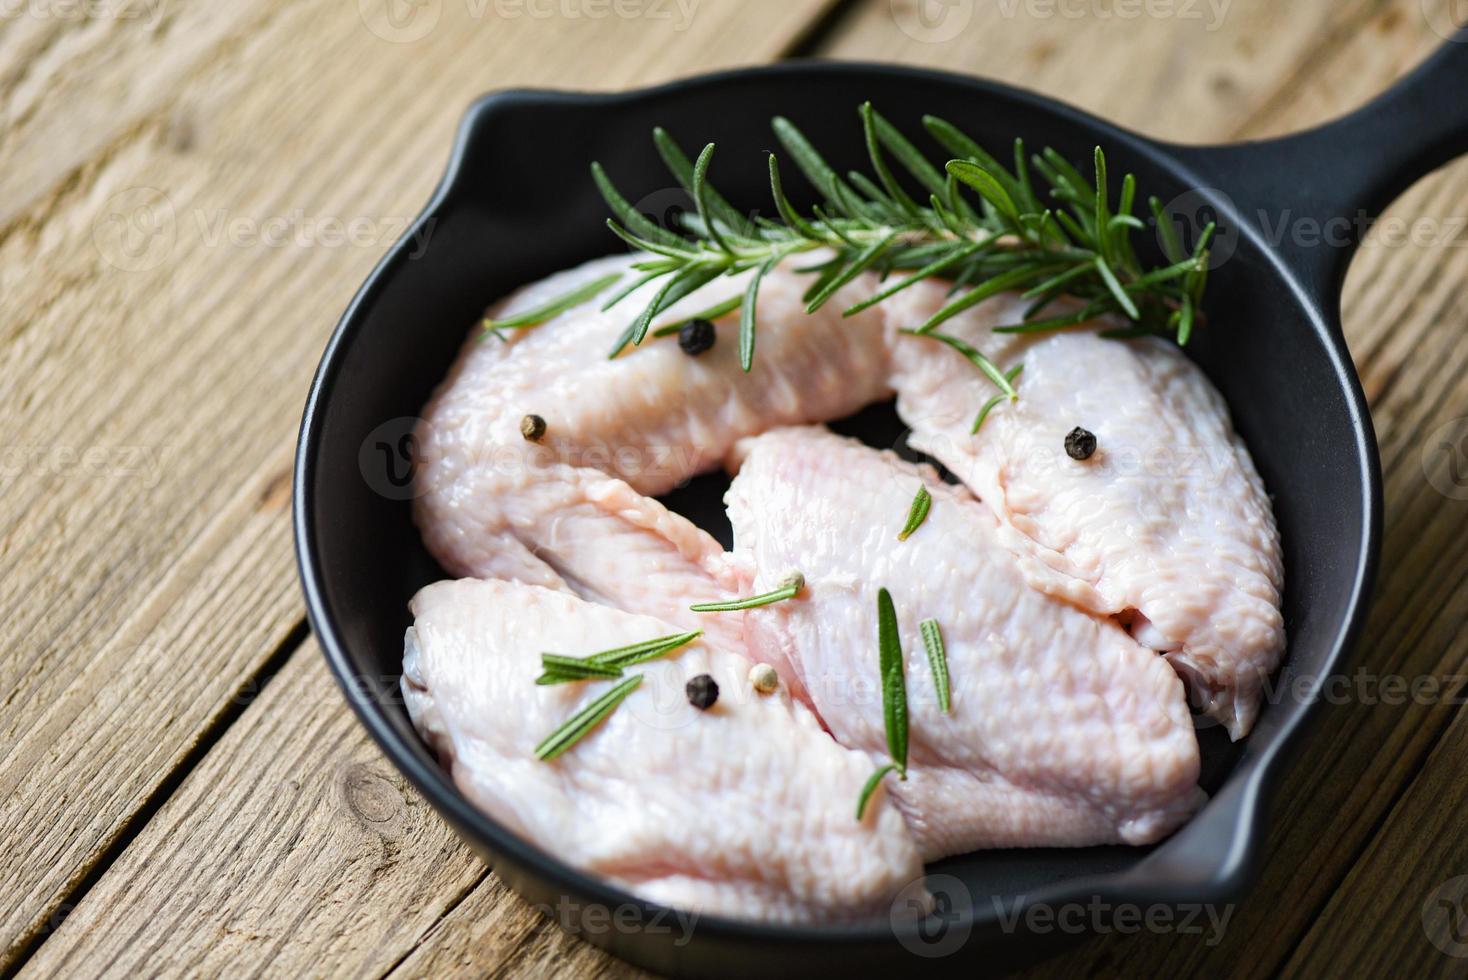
pixel 495 933
pixel 1403 909
pixel 186 211
pixel 295 847
pixel 1195 74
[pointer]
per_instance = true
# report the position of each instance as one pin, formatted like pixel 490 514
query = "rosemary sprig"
pixel 555 306
pixel 871 787
pixel 993 403
pixel 921 504
pixel 990 369
pixel 894 698
pixel 712 313
pixel 560 669
pixel 973 220
pixel 894 684
pixel 582 722
pixel 789 589
pixel 938 661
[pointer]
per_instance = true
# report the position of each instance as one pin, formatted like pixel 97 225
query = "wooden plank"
pixel 495 933
pixel 158 345
pixel 1194 71
pixel 294 846
pixel 1410 885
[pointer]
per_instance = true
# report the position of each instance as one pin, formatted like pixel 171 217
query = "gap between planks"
pixel 254 685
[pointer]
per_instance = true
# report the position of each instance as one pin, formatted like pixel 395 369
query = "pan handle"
pixel 1315 193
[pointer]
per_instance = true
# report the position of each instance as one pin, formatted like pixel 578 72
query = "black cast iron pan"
pixel 517 204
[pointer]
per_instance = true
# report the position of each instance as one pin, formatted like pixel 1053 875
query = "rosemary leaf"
pixel 680 284
pixel 1114 284
pixel 993 403
pixel 622 341
pixel 976 357
pixel 824 272
pixel 679 252
pixel 963 146
pixel 921 504
pixel 879 163
pixel 987 185
pixel 634 220
pixel 554 307
pixel 559 669
pixel 1201 248
pixel 993 287
pixel 568 668
pixel 881 201
pixel 1070 178
pixel 894 685
pixel 858 265
pixel 870 787
pixel 682 171
pixel 582 722
pixel 1167 231
pixel 785 208
pixel 1028 200
pixel 1166 274
pixel 1089 312
pixel 931 269
pixel 1102 208
pixel 701 198
pixel 632 287
pixel 945 216
pixel 1055 282
pixel 955 141
pixel 938 661
pixel 711 313
pixel 810 162
pixel 789 590
pixel 906 154
pixel 747 314
pixel 1071 226
pixel 637 653
pixel 1185 321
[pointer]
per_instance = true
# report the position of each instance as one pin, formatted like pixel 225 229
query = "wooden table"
pixel 189 194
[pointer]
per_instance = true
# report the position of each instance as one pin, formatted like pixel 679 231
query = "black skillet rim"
pixel 1226 884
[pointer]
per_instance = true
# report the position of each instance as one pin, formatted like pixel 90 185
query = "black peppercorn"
pixel 1080 444
pixel 696 337
pixel 532 427
pixel 702 692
